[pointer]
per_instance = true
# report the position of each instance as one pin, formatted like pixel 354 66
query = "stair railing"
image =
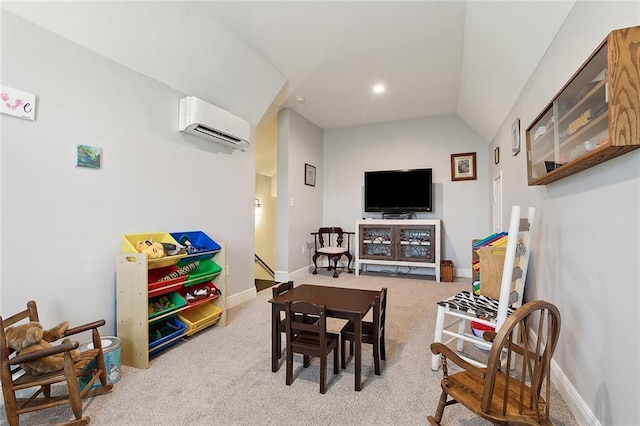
pixel 264 265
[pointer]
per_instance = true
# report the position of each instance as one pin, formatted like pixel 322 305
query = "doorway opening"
pixel 265 204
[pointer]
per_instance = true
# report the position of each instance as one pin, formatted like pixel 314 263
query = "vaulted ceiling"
pixel 469 58
pixel 434 57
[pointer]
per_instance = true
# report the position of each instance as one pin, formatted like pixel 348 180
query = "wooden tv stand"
pixel 404 242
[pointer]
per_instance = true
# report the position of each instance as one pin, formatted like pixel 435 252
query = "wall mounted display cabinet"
pixel 594 117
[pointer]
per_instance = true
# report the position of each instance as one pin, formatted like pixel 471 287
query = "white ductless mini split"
pixel 200 118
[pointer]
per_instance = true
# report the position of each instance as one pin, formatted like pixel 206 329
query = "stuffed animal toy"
pixel 30 337
pixel 152 249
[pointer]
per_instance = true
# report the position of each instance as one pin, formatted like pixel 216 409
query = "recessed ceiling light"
pixel 300 98
pixel 378 88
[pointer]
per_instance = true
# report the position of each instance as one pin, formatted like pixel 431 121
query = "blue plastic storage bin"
pixel 165 331
pixel 203 246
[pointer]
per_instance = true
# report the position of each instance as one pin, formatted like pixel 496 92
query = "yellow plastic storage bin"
pixel 200 317
pixel 129 242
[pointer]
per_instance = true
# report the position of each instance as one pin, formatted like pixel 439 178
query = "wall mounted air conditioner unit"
pixel 200 118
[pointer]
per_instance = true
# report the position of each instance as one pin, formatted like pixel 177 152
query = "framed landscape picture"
pixel 88 156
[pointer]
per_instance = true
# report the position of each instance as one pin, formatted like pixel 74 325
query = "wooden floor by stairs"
pixel 263 284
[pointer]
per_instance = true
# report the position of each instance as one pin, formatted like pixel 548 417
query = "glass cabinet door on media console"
pixel 414 242
pixel 594 117
pixel 397 242
pixel 376 242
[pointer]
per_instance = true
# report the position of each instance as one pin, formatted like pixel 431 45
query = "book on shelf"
pixel 490 239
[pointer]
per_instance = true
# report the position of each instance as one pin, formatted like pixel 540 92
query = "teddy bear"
pixel 31 337
pixel 153 249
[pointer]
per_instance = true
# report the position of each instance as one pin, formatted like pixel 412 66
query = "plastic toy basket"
pixel 161 305
pixel 200 317
pixel 200 245
pixel 165 333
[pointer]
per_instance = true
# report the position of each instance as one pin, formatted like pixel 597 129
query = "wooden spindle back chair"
pixel 515 386
pixel 16 380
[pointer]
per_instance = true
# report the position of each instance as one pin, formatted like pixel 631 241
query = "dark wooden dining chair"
pixel 334 243
pixel 310 339
pixel 277 290
pixel 372 333
pixel 509 390
pixel 25 392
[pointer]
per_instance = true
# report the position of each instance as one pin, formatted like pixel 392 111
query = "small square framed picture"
pixel 463 166
pixel 88 156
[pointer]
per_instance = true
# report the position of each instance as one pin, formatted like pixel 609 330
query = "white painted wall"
pixel 585 252
pixel 62 226
pixel 299 205
pixel 535 23
pixel 220 68
pixel 463 206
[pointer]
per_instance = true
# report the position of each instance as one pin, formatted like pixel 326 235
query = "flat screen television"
pixel 398 191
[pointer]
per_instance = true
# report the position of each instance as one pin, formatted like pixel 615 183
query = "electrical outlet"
pixel 226 271
pixel 303 249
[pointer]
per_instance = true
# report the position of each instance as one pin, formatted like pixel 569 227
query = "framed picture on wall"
pixel 515 137
pixel 463 166
pixel 88 156
pixel 309 175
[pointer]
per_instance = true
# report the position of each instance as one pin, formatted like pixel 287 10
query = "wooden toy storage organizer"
pixel 133 295
pixel 491 266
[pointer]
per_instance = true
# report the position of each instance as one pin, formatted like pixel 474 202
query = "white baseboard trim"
pixel 571 397
pixel 283 276
pixel 462 273
pixel 240 298
pixel 302 272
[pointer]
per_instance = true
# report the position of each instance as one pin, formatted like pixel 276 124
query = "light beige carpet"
pixel 222 376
